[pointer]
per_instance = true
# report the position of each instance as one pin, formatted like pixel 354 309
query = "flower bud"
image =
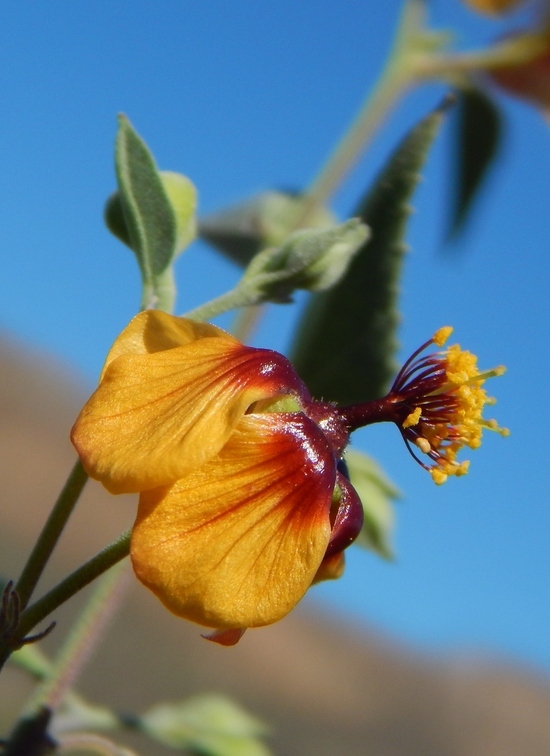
pixel 493 7
pixel 309 259
pixel 529 80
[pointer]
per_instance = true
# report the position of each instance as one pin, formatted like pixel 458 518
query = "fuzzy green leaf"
pixel 211 725
pixel 477 137
pixel 346 341
pixel 149 217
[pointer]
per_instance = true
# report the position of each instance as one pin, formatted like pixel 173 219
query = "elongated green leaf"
pixel 346 341
pixel 148 214
pixel 477 138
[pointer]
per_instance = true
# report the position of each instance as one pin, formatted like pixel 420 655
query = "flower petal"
pixel 331 568
pixel 156 331
pixel 155 417
pixel 226 637
pixel 348 519
pixel 237 543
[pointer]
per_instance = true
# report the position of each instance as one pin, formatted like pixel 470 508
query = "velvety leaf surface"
pixel 148 214
pixel 346 341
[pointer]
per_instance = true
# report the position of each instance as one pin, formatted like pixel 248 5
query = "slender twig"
pixel 67 588
pixel 51 531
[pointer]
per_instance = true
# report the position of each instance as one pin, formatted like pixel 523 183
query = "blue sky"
pixel 247 96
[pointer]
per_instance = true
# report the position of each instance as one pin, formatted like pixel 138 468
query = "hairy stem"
pixel 50 533
pixel 64 590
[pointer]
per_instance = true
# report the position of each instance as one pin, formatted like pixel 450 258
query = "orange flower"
pixel 242 506
pixel 245 500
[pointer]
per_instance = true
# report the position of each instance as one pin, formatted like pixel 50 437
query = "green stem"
pixel 245 322
pixel 64 590
pixel 50 533
pixel 240 296
pixel 390 87
pixel 159 292
pixel 397 76
pixel 454 66
pixel 74 582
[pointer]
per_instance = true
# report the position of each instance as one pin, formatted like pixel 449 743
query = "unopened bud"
pixel 529 80
pixel 493 7
pixel 309 259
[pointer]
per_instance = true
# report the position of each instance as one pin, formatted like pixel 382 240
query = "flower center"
pixel 437 402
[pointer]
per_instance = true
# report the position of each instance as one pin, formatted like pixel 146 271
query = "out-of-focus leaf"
pixel 477 136
pixel 33 660
pixel 75 712
pixel 346 341
pixel 265 220
pixel 377 494
pixel 209 725
pixel 183 198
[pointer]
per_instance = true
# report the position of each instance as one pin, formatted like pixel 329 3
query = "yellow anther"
pixel 462 469
pixel 438 476
pixel 413 418
pixel 423 444
pixel 441 336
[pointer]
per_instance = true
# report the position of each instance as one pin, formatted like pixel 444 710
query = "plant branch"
pixel 64 590
pixel 49 536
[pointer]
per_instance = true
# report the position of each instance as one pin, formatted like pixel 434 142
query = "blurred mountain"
pixel 324 687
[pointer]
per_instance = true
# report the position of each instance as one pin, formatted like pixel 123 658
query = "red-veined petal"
pixel 156 417
pixel 237 543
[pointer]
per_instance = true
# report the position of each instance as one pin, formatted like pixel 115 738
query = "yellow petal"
pixel 155 331
pixel 237 543
pixel 156 417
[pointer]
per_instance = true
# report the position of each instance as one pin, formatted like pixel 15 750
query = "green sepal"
pixel 312 259
pixel 152 212
pixel 477 137
pixel 265 220
pixel 211 725
pixel 346 340
pixel 377 494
